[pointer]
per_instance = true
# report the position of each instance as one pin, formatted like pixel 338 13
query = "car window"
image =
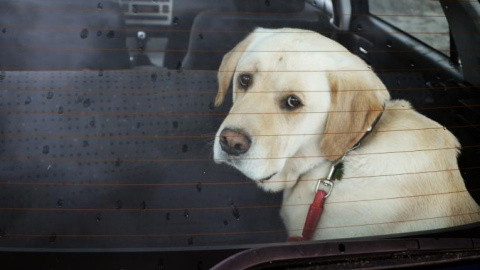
pixel 425 20
pixel 183 124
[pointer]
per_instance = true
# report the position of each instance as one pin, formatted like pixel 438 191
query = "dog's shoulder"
pixel 406 129
pixel 405 141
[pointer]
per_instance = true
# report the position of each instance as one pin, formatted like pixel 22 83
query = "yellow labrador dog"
pixel 300 101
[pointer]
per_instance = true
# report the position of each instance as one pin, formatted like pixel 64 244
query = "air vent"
pixel 147 12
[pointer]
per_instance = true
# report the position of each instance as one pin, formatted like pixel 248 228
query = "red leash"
pixel 313 217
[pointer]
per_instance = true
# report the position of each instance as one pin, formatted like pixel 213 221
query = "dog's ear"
pixel 227 68
pixel 357 100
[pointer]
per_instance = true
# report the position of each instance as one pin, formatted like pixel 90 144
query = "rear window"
pixel 113 133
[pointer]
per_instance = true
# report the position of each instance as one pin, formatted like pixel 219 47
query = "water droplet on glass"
pixel 412 64
pixel 46 149
pixel 92 122
pixel 99 33
pixel 200 36
pixel 100 73
pixel 389 43
pixel 153 77
pixel 87 103
pixel 140 49
pixel 85 143
pixel 60 203
pixel 175 124
pixel 444 128
pixel 179 66
pixel 134 8
pixel 314 2
pixel 359 27
pixel 60 110
pixel 84 33
pixel 190 241
pixel 100 6
pixel 199 187
pixel 211 106
pixel 225 222
pixel 369 67
pixel 143 205
pixel 118 162
pixel 236 213
pixel 28 100
pixel 111 34
pixel 185 213
pixel 98 217
pixel 119 204
pixel 267 3
pixel 185 148
pixel 167 216
pixel 446 7
pixel 49 95
pixel 3 74
pixel 53 238
pixel 175 20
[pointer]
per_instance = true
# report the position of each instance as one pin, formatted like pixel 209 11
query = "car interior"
pixel 107 118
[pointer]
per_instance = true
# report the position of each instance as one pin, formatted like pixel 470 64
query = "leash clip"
pixel 325 183
pixel 328 182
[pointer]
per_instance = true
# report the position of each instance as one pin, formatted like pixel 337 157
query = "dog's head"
pixel 299 99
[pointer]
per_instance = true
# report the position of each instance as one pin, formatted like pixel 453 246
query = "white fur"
pixel 360 205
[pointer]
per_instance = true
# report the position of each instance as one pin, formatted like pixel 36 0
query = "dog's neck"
pixel 316 169
pixel 306 182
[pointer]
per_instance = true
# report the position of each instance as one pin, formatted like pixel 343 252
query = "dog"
pixel 300 102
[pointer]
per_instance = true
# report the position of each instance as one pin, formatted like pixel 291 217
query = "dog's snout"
pixel 234 142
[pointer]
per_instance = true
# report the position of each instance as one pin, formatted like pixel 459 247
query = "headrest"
pixel 280 6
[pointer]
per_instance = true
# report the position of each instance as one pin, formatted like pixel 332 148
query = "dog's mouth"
pixel 266 178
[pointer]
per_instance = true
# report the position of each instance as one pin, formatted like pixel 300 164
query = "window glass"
pixel 110 136
pixel 424 20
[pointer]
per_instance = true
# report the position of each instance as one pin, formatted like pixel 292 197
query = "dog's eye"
pixel 245 80
pixel 293 102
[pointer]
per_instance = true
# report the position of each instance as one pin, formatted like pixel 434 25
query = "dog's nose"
pixel 234 142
